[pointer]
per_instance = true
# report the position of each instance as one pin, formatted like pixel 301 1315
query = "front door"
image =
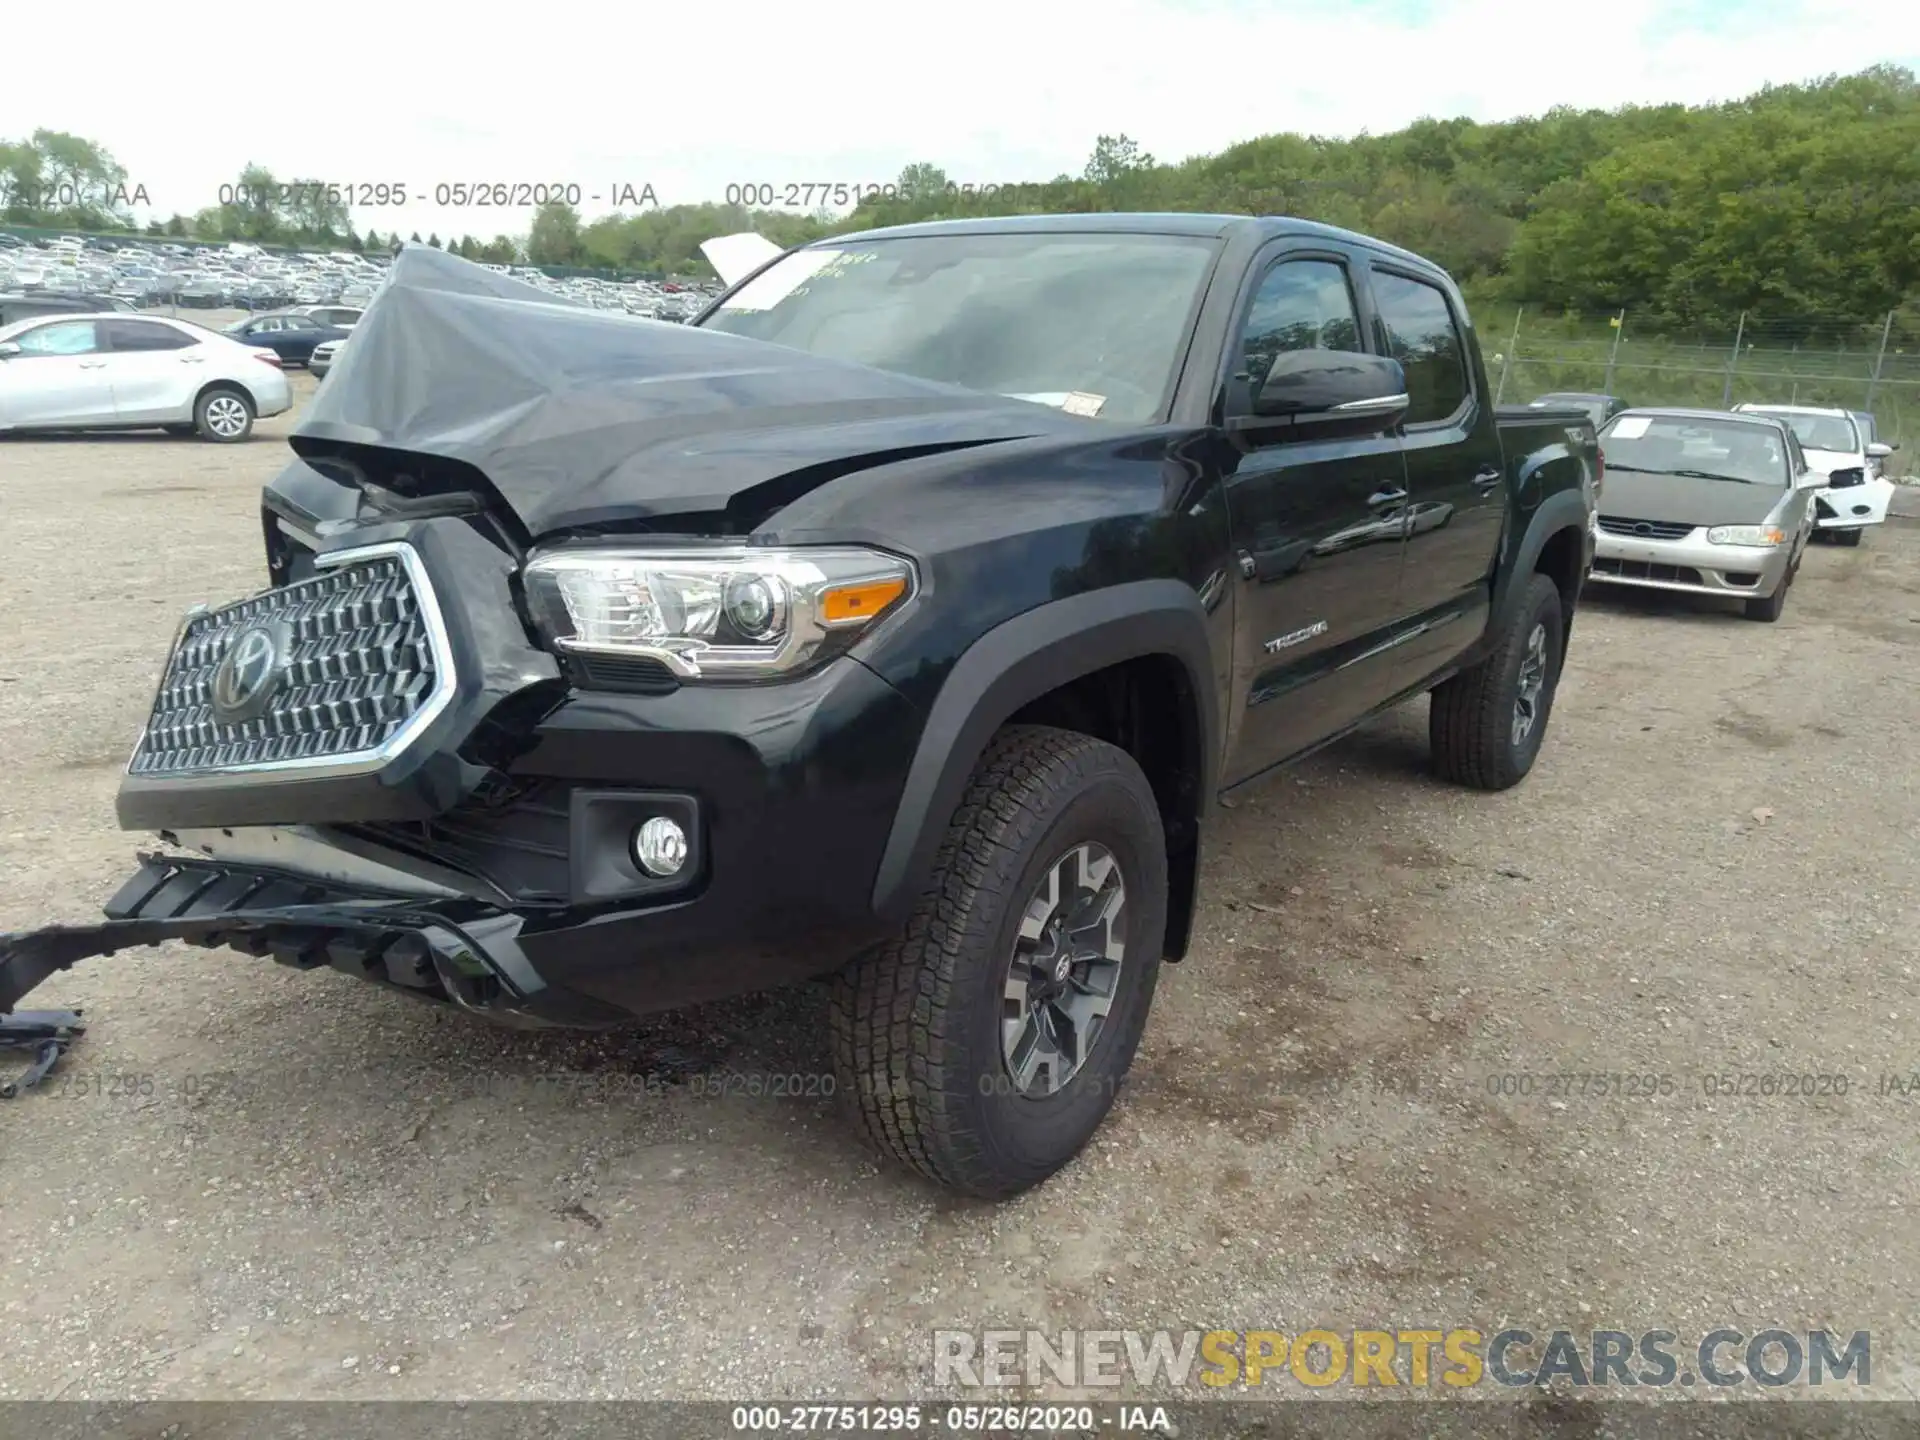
pixel 1318 531
pixel 58 378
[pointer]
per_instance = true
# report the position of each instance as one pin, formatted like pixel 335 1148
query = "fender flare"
pixel 1563 510
pixel 1015 663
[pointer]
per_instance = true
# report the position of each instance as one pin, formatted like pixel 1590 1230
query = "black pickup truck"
pixel 899 621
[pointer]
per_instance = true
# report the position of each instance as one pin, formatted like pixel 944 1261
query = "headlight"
pixel 738 613
pixel 1746 535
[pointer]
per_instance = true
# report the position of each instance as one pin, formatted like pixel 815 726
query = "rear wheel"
pixel 1486 724
pixel 223 416
pixel 984 1046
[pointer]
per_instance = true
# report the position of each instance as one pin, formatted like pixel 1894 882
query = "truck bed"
pixel 1513 415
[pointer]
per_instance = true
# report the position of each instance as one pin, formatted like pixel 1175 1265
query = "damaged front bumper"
pixel 447 948
pixel 440 810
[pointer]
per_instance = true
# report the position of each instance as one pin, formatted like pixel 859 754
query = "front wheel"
pixel 1486 723
pixel 984 1046
pixel 1847 537
pixel 223 416
pixel 1767 609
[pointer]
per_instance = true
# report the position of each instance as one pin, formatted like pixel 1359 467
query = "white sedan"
pixel 121 372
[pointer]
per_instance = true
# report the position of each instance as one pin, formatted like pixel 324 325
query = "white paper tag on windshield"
pixel 1082 402
pixel 1632 427
pixel 767 290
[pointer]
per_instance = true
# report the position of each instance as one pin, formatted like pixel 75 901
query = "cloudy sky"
pixel 756 93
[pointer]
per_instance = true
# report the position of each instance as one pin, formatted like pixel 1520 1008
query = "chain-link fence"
pixel 1796 360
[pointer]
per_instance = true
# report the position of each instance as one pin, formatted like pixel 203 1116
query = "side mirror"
pixel 1316 388
pixel 9 349
pixel 1878 450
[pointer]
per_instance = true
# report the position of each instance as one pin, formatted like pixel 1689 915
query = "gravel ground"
pixel 250 1183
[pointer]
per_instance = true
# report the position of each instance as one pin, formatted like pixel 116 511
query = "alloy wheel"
pixel 1064 972
pixel 226 416
pixel 1533 684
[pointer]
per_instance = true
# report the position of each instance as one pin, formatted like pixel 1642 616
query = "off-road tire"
pixel 1470 724
pixel 916 1022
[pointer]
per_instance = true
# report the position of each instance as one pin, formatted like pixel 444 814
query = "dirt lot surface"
pixel 248 1182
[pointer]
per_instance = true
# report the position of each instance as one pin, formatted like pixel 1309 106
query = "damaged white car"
pixel 1855 495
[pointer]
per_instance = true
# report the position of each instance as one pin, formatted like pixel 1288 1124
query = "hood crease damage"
pixel 571 419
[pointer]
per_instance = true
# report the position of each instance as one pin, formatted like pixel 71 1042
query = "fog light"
pixel 660 847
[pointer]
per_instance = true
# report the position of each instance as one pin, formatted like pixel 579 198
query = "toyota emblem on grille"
pixel 250 673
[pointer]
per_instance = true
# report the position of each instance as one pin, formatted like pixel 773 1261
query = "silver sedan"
pixel 1706 502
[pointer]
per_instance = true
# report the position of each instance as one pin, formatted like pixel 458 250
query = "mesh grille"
pixel 356 664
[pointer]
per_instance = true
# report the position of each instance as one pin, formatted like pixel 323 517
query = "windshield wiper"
pixel 1689 474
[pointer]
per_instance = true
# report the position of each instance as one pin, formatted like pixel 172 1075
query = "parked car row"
pixel 147 272
pixel 1725 502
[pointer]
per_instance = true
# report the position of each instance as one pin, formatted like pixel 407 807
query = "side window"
pixel 69 337
pixel 144 335
pixel 1300 305
pixel 1422 336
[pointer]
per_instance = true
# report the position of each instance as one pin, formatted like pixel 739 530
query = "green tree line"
pixel 1800 200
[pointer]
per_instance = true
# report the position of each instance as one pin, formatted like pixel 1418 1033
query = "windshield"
pixel 1820 432
pixel 1754 454
pixel 1095 324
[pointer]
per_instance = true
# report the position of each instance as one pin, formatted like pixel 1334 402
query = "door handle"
pixel 1386 497
pixel 1487 477
pixel 91 364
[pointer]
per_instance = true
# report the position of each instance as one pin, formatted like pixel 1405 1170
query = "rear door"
pixel 1318 527
pixel 1456 480
pixel 58 378
pixel 155 370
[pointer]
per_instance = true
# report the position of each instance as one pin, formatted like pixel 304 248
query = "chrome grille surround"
pixel 1637 529
pixel 369 668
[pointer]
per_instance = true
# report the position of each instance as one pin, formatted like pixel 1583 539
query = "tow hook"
pixel 47 1033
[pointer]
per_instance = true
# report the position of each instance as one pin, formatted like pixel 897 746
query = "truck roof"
pixel 1259 227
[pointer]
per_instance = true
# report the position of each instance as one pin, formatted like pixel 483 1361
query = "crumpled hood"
pixel 577 417
pixel 1686 499
pixel 1825 462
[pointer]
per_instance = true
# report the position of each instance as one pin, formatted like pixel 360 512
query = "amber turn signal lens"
pixel 860 602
